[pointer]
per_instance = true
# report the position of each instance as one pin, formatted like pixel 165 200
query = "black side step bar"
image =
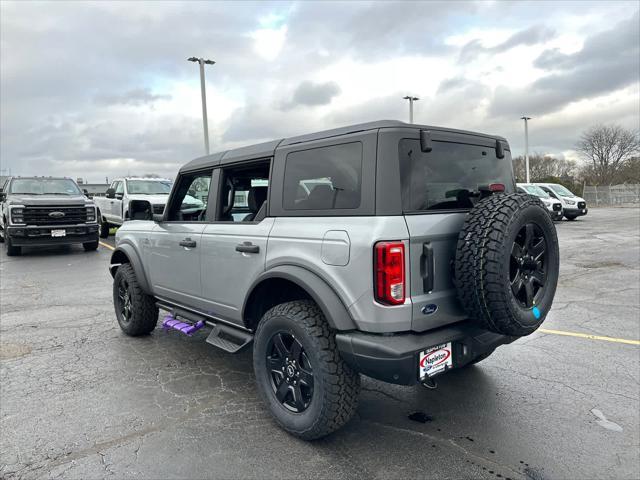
pixel 224 336
pixel 228 338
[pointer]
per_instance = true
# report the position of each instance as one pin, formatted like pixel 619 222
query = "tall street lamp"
pixel 526 145
pixel 411 100
pixel 205 124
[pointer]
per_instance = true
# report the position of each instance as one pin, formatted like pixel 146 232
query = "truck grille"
pixel 557 207
pixel 55 215
pixel 582 204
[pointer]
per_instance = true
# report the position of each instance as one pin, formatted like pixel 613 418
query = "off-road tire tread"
pixel 145 312
pixel 341 383
pixel 478 279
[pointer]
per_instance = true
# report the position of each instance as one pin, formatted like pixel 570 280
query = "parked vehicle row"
pixel 42 211
pixel 365 250
pixel 558 199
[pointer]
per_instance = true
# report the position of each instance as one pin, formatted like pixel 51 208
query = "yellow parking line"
pixel 107 245
pixel 590 337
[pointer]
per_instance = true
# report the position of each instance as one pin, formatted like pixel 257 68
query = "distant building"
pixel 95 189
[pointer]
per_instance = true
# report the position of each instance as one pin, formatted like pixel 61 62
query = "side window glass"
pixel 119 188
pixel 243 193
pixel 324 178
pixel 189 204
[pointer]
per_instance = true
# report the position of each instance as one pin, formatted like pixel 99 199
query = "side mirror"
pixel 3 196
pixel 111 193
pixel 158 217
pixel 140 210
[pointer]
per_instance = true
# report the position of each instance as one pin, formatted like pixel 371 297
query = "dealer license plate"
pixel 58 233
pixel 435 360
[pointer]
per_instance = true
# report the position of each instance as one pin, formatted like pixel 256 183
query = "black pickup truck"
pixel 42 211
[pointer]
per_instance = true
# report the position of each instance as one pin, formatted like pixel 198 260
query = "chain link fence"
pixel 611 195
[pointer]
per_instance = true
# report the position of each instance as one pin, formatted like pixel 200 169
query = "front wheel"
pixel 90 246
pixel 306 385
pixel 104 227
pixel 571 218
pixel 136 311
pixel 12 250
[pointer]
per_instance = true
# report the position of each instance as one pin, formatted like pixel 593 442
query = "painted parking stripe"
pixel 106 245
pixel 589 337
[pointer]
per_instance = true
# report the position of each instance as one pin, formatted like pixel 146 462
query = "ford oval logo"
pixel 56 214
pixel 429 309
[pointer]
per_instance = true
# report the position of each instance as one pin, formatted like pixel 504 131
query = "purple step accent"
pixel 171 323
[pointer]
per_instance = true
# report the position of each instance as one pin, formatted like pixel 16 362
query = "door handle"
pixel 188 243
pixel 426 267
pixel 247 247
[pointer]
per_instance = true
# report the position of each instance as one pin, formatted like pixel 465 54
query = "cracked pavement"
pixel 79 399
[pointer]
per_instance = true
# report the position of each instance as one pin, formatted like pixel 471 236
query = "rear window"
pixel 325 178
pixel 450 175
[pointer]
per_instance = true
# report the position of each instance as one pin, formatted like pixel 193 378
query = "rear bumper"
pixel 394 358
pixel 41 236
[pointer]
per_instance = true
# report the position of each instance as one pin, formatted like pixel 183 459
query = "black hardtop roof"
pixel 267 149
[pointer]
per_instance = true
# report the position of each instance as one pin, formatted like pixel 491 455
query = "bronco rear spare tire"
pixel 507 262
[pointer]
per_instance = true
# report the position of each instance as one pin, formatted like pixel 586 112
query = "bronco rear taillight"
pixel 389 272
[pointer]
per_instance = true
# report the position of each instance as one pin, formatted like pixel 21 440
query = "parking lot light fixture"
pixel 202 62
pixel 411 99
pixel 526 145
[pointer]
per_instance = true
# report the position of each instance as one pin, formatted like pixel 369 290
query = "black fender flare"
pixel 325 297
pixel 130 252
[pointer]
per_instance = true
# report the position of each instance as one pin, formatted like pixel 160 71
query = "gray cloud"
pixel 312 94
pixel 607 62
pixel 136 97
pixel 529 36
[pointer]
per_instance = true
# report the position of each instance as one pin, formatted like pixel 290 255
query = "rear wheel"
pixel 136 311
pixel 507 262
pixel 306 385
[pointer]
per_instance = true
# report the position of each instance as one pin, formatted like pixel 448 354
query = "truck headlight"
pixel 17 215
pixel 91 214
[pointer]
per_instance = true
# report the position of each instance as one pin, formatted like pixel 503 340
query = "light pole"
pixel 205 123
pixel 526 145
pixel 411 100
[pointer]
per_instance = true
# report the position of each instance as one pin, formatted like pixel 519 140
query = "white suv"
pixel 553 206
pixel 572 205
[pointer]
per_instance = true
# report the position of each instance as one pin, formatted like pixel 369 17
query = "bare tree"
pixel 542 167
pixel 607 149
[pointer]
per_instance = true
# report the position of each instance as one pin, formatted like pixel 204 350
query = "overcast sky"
pixel 104 89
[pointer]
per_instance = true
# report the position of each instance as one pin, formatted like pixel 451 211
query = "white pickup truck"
pixel 113 209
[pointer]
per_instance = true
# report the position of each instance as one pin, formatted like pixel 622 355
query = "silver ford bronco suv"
pixel 386 249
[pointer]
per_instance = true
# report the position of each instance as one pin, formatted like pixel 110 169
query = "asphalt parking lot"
pixel 78 399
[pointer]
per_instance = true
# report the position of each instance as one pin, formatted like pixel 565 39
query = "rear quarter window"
pixel 324 178
pixel 450 175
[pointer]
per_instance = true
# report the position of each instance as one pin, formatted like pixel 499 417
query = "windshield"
pixel 44 186
pixel 534 190
pixel 450 176
pixel 148 187
pixel 560 190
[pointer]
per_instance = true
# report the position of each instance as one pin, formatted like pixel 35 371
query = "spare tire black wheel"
pixel 507 263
